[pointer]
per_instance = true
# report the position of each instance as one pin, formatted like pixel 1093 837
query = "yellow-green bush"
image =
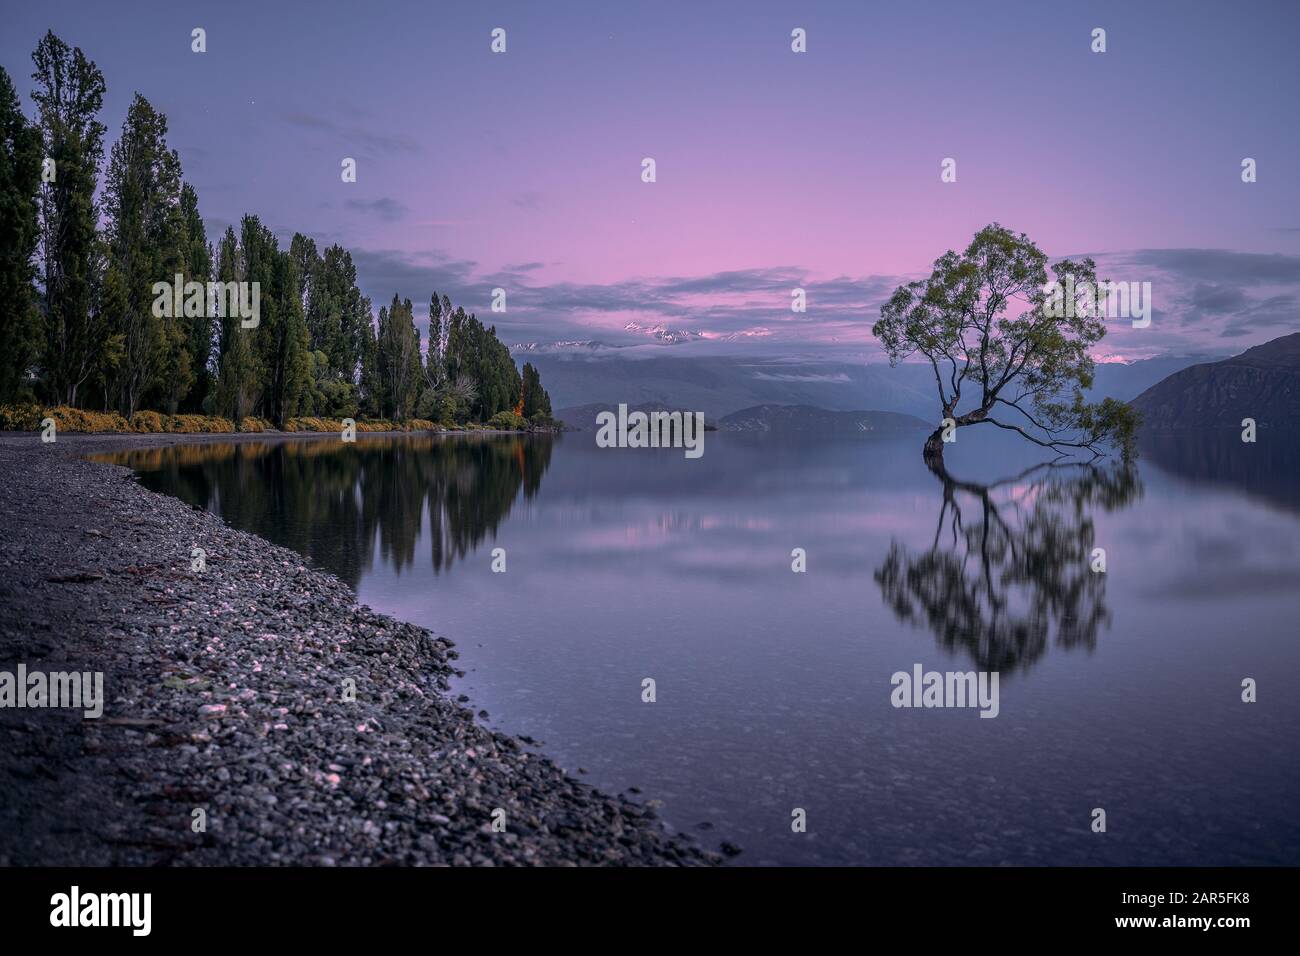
pixel 21 418
pixel 27 417
pixel 67 419
pixel 80 420
pixel 508 421
pixel 194 424
pixel 310 425
pixel 149 422
pixel 155 422
pixel 314 424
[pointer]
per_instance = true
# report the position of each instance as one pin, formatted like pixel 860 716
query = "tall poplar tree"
pixel 281 339
pixel 197 256
pixel 69 93
pixel 239 381
pixel 142 198
pixel 537 404
pixel 399 359
pixel 20 176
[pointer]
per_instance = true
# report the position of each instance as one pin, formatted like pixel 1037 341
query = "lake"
pixel 1119 690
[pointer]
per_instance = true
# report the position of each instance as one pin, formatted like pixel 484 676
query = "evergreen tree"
pixel 68 95
pixel 399 359
pixel 108 302
pixel 336 325
pixel 239 381
pixel 20 176
pixel 146 237
pixel 371 383
pixel 536 403
pixel 286 354
pixel 99 333
pixel 433 359
pixel 280 343
pixel 355 320
pixel 197 255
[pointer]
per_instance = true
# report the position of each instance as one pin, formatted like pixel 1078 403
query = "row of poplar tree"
pixel 78 266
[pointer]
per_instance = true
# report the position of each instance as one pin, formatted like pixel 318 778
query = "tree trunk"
pixel 933 452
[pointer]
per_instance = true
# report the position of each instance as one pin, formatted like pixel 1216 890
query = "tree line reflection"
pixel 341 504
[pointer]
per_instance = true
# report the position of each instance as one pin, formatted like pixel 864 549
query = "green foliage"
pixel 21 417
pixel 331 396
pixel 537 404
pixel 282 336
pixel 987 360
pixel 400 372
pixel 20 177
pixel 239 383
pixel 371 385
pixel 507 421
pixel 338 315
pixel 146 244
pixel 197 258
pixel 475 353
pixel 316 353
pixel 265 371
pixel 68 95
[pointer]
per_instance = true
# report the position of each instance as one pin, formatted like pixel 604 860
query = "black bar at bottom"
pixel 323 906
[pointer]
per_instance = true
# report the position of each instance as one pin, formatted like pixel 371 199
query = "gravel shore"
pixel 225 693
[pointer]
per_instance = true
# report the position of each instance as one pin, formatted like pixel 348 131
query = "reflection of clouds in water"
pixel 1232 548
pixel 661 526
pixel 840 532
pixel 1204 584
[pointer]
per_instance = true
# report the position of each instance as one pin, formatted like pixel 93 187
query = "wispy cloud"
pixel 1205 302
pixel 384 208
pixel 352 134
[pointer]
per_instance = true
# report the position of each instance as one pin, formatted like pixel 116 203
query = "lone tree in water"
pixel 1030 367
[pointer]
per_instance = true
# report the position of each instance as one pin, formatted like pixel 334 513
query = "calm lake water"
pixel 1119 690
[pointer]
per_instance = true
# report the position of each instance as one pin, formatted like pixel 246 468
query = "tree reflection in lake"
pixel 1010 566
pixel 341 504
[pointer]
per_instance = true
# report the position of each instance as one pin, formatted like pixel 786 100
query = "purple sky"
pixel 775 169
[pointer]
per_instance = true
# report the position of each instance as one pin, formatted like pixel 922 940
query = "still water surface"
pixel 1119 690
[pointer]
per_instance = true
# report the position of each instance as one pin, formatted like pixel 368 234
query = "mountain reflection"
pixel 341 504
pixel 1009 569
pixel 1265 469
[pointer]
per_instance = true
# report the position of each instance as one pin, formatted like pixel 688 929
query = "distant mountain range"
pixel 582 418
pixel 569 347
pixel 660 334
pixel 765 419
pixel 592 373
pixel 1262 383
pixel 807 420
pixel 760 394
